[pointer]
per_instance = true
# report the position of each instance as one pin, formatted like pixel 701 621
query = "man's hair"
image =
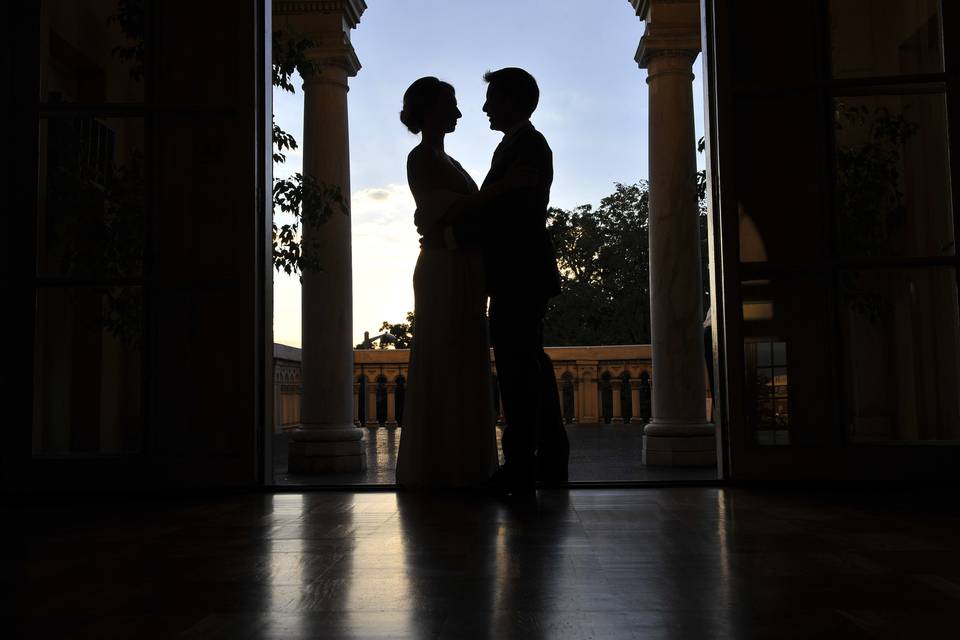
pixel 518 85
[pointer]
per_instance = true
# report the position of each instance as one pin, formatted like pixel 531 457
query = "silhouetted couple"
pixel 477 243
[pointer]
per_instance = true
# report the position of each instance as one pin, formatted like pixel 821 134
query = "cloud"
pixel 385 246
pixel 378 194
pixel 385 250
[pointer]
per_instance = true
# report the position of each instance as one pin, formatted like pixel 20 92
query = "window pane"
pixel 207 71
pixel 885 37
pixel 87 371
pixel 893 177
pixel 763 26
pixel 90 205
pixel 901 354
pixel 763 354
pixel 780 199
pixel 92 51
pixel 799 327
pixel 779 354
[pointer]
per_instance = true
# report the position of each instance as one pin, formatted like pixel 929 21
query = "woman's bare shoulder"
pixel 420 153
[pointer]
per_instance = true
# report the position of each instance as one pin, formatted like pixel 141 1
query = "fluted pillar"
pixel 678 433
pixel 328 440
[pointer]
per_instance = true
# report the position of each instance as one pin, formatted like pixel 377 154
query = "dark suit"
pixel 521 271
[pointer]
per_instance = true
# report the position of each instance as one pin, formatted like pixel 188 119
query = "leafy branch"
pixel 309 201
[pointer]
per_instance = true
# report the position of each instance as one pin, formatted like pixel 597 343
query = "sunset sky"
pixel 593 112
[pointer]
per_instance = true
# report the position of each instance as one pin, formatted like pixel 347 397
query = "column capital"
pixel 350 10
pixel 328 24
pixel 672 29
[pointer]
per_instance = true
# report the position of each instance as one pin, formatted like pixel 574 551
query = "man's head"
pixel 512 97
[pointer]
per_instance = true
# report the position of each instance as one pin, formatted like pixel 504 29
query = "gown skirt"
pixel 448 434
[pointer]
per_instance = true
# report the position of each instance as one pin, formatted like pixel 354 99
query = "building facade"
pixel 598 384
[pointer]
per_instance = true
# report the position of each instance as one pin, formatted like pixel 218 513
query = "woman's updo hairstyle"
pixel 418 97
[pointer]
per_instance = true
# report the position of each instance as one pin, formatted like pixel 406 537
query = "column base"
pixel 679 444
pixel 327 450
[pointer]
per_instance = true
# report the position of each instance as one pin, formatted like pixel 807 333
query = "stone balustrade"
pixel 600 384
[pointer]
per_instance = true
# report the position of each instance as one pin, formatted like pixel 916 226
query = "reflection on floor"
pixel 583 564
pixel 598 453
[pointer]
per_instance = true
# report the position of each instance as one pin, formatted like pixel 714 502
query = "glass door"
pixel 140 240
pixel 835 205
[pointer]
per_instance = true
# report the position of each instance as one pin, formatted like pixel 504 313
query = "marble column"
pixel 391 404
pixel 678 433
pixel 328 440
pixel 635 401
pixel 372 404
pixel 577 402
pixel 586 371
pixel 615 391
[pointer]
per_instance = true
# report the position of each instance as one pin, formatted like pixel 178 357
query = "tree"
pixel 306 199
pixel 402 333
pixel 604 261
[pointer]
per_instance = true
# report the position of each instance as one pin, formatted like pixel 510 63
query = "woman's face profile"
pixel 443 115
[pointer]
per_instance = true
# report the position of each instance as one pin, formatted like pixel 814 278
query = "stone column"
pixel 391 404
pixel 277 399
pixel 615 392
pixel 577 403
pixel 635 401
pixel 586 372
pixel 328 440
pixel 678 433
pixel 372 403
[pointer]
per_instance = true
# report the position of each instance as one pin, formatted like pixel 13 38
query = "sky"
pixel 593 112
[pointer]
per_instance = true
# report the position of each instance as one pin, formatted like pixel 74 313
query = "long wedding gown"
pixel 448 437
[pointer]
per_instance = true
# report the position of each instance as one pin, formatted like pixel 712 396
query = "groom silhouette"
pixel 508 222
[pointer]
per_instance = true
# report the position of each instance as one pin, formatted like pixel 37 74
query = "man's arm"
pixel 528 172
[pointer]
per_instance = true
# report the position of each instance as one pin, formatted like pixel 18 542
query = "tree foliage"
pixel 307 200
pixel 869 198
pixel 869 195
pixel 604 260
pixel 402 333
pixel 604 265
pixel 131 15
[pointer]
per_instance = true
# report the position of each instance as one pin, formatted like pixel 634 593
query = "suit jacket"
pixel 518 255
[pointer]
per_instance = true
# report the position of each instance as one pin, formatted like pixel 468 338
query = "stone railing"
pixel 597 384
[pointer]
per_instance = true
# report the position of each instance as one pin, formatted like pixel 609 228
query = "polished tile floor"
pixel 598 453
pixel 604 564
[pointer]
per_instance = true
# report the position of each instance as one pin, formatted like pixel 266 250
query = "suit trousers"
pixel 534 439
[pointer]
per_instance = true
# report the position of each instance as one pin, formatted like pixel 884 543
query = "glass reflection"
pixel 892 176
pixel 901 354
pixel 92 51
pixel 87 371
pixel 780 206
pixel 873 38
pixel 788 363
pixel 91 197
